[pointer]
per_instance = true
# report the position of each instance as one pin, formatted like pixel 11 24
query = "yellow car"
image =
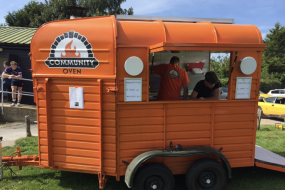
pixel 272 107
pixel 263 95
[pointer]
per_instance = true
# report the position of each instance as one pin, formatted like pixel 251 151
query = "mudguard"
pixel 189 151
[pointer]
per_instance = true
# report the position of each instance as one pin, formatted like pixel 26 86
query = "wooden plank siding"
pixel 216 124
pixel 76 133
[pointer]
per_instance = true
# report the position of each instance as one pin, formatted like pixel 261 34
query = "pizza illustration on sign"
pixel 71 50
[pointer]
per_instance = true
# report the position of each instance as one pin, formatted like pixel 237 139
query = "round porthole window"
pixel 248 65
pixel 134 66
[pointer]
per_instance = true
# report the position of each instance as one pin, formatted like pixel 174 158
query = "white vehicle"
pixel 277 92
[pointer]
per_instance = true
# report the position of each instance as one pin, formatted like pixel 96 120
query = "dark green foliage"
pixel 23 17
pixel 34 14
pixel 220 65
pixel 274 54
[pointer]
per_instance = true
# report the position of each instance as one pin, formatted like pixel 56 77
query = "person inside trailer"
pixel 208 89
pixel 173 77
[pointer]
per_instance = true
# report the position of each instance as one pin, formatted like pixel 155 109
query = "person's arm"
pixel 185 92
pixel 193 95
pixel 216 96
pixel 5 74
pixel 17 77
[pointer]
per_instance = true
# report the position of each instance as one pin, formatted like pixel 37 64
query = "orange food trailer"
pixel 97 110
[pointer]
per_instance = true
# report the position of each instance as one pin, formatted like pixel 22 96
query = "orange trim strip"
pixel 73 76
pixel 261 165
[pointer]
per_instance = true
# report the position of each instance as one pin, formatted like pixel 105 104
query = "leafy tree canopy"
pixel 274 54
pixel 34 14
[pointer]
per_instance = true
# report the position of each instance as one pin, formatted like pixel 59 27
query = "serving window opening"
pixel 196 64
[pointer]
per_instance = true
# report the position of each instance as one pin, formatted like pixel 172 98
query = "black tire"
pixel 206 174
pixel 154 176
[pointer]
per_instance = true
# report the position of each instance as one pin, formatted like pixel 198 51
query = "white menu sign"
pixel 243 87
pixel 76 99
pixel 133 89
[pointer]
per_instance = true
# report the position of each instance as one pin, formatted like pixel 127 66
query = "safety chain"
pixel 13 174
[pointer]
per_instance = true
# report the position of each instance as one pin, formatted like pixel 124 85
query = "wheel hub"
pixel 153 182
pixel 207 179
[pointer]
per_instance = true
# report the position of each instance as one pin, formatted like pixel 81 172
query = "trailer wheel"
pixel 206 174
pixel 154 176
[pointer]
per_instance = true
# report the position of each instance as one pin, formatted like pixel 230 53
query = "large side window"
pixel 270 100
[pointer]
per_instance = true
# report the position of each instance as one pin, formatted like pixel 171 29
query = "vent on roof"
pixel 174 19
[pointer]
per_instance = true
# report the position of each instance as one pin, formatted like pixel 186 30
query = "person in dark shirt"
pixel 7 82
pixel 15 73
pixel 208 89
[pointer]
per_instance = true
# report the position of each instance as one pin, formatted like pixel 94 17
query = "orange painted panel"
pixel 142 113
pixel 109 139
pixel 65 104
pixel 75 137
pixel 238 154
pixel 109 131
pixel 43 141
pixel 141 137
pixel 43 149
pixel 190 142
pixel 76 160
pixel 76 129
pixel 44 156
pixel 188 111
pixel 234 125
pixel 65 96
pixel 188 119
pixel 188 135
pixel 43 134
pixel 75 144
pixel 65 88
pixel 234 133
pixel 234 147
pixel 234 118
pixel 109 122
pixel 109 162
pixel 139 129
pixel 190 104
pixel 76 152
pixel 42 103
pixel 189 127
pixel 109 155
pixel 42 111
pixel 75 113
pixel 141 145
pixel 109 115
pixel 77 167
pixel 141 121
pixel 42 118
pixel 109 147
pixel 233 140
pixel 74 121
pixel 42 126
pixel 233 110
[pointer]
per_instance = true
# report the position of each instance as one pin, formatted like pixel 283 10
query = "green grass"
pixel 249 178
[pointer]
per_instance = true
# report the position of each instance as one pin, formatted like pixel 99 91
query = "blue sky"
pixel 261 13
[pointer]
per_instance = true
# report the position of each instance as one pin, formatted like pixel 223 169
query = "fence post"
pixel 28 128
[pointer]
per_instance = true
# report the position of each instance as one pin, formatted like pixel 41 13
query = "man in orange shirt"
pixel 172 79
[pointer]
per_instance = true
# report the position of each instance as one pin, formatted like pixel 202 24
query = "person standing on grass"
pixel 15 73
pixel 7 82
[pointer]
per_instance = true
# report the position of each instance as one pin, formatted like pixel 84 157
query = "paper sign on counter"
pixel 76 98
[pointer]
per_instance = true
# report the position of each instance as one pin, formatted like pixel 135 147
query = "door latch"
pixel 112 89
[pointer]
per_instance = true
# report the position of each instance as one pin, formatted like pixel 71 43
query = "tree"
pixel 53 10
pixel 34 14
pixel 274 54
pixel 104 7
pixel 23 17
pixel 220 65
